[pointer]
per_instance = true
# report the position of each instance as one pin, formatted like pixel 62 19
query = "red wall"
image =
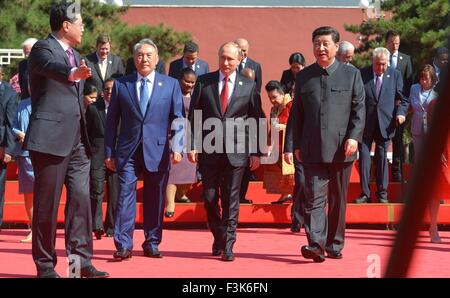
pixel 273 33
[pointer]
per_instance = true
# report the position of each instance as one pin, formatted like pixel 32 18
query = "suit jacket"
pixel 57 103
pixel 404 65
pixel 381 112
pixel 95 122
pixel 287 81
pixel 245 103
pixel 131 68
pixel 165 105
pixel 201 68
pixel 23 79
pixel 328 109
pixel 8 107
pixel 258 72
pixel 419 109
pixel 114 69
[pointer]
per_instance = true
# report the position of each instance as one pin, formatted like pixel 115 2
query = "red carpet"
pixel 262 252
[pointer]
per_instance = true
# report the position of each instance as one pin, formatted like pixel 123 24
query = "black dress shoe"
pixel 246 201
pixel 98 234
pixel 91 272
pixel 362 199
pixel 228 256
pixel 169 214
pixel 47 273
pixel 122 254
pixel 313 252
pixel 152 253
pixel 295 228
pixel 334 254
pixel 216 249
pixel 383 200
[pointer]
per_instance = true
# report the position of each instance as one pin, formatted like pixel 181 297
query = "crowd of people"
pixel 82 121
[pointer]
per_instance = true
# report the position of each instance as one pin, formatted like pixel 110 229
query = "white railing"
pixel 6 55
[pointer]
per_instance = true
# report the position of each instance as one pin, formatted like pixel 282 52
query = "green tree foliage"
pixel 21 19
pixel 422 24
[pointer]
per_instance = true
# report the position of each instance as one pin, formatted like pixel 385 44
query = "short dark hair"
pixel 298 58
pixel 274 85
pixel 186 71
pixel 111 79
pixel 89 88
pixel 391 33
pixel 102 39
pixel 190 47
pixel 440 51
pixel 59 14
pixel 326 30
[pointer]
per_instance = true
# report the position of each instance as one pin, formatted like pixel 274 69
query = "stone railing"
pixel 6 55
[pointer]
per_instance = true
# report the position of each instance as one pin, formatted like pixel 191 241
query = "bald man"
pixel 247 62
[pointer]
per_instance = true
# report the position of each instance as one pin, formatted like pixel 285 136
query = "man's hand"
pixel 7 158
pixel 400 119
pixel 82 72
pixel 110 164
pixel 193 156
pixel 289 158
pixel 350 147
pixel 254 162
pixel 298 155
pixel 176 157
pixel 20 137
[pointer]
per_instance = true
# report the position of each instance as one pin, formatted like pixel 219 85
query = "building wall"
pixel 273 33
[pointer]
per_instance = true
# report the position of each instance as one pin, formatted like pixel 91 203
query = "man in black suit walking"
pixel 58 144
pixel 224 96
pixel 95 122
pixel 104 65
pixel 402 63
pixel 8 106
pixel 383 87
pixel 326 122
pixel 190 59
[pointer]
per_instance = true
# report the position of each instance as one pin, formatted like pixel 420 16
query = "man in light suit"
pixel 225 96
pixel 383 87
pixel 58 144
pixel 326 122
pixel 145 104
pixel 8 106
pixel 189 59
pixel 402 63
pixel 104 65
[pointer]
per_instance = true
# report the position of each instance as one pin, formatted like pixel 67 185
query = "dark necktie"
pixel 144 96
pixel 71 56
pixel 378 86
pixel 224 96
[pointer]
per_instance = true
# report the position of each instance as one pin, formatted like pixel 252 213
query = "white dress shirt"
pixel 231 82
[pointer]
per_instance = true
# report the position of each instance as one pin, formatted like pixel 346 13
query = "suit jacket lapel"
pixel 108 67
pixel 59 49
pixel 131 86
pixel 101 111
pixel 372 84
pixel 157 84
pixel 215 91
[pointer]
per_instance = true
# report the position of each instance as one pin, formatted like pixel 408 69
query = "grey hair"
pixel 29 42
pixel 381 52
pixel 344 46
pixel 145 41
pixel 233 44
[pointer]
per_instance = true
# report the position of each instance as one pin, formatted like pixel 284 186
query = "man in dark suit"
pixel 250 63
pixel 104 65
pixel 58 144
pixel 189 59
pixel 27 45
pixel 8 106
pixel 131 67
pixel 95 122
pixel 145 104
pixel 224 96
pixel 401 62
pixel 383 87
pixel 327 121
pixel 440 60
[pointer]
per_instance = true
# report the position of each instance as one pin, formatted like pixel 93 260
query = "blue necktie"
pixel 144 96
